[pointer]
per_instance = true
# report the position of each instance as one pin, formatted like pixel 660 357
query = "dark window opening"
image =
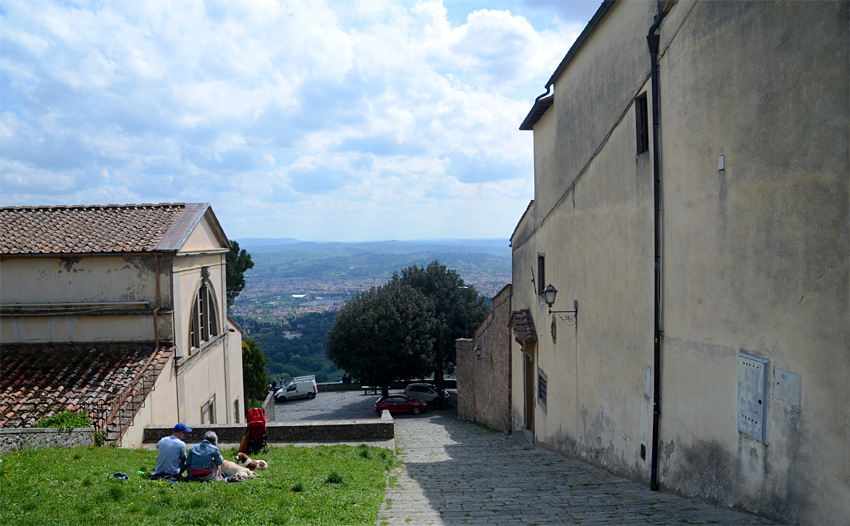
pixel 541 274
pixel 642 124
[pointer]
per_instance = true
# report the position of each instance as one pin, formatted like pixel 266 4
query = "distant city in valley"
pixel 295 288
pixel 291 278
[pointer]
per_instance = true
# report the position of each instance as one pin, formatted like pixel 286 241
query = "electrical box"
pixel 752 395
pixel 788 387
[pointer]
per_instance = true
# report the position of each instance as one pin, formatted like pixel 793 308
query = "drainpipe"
pixel 158 305
pixel 652 39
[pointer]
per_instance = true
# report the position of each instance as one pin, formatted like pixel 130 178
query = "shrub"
pixel 65 420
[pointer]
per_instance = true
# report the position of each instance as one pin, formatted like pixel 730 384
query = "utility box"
pixel 752 395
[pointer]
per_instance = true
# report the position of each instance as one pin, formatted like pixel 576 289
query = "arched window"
pixel 204 324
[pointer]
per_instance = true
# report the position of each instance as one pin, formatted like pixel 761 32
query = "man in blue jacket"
pixel 171 457
pixel 204 460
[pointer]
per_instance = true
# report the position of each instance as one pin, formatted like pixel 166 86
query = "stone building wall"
pixel 37 438
pixel 484 369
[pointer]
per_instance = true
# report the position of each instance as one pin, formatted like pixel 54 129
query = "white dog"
pixel 243 460
pixel 232 470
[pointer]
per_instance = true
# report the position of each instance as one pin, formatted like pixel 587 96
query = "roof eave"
pixel 541 106
pixel 180 230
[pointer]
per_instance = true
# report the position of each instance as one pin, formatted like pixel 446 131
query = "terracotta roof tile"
pixel 85 229
pixel 65 371
pixel 523 326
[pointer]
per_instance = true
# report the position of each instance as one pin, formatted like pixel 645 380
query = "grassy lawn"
pixel 304 486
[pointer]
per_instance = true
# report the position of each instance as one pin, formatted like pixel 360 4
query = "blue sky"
pixel 321 120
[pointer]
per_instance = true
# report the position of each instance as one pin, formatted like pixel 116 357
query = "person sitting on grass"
pixel 204 460
pixel 171 457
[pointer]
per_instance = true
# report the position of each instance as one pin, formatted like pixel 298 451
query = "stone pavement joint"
pixel 454 473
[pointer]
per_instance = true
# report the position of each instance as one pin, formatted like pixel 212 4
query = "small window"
pixel 541 273
pixel 208 411
pixel 236 411
pixel 641 124
pixel 542 382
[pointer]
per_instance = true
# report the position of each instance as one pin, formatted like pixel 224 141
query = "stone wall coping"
pixel 284 432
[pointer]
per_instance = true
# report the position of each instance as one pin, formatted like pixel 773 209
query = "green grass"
pixel 325 485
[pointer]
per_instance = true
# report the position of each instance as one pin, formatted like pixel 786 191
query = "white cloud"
pixel 314 119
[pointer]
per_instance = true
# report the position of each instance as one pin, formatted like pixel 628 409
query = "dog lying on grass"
pixel 243 460
pixel 233 470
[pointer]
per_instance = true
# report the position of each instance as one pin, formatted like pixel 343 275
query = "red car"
pixel 400 404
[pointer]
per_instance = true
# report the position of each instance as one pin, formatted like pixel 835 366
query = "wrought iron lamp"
pixel 570 317
pixel 478 351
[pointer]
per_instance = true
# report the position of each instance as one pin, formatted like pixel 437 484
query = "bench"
pixel 367 388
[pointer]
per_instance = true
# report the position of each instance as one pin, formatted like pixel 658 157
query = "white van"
pixel 300 387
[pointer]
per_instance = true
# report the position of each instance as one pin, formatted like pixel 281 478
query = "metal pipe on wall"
pixel 653 40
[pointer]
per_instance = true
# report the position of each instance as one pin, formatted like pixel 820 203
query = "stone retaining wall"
pixel 280 432
pixel 23 438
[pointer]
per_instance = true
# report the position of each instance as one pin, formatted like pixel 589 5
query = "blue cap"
pixel 182 427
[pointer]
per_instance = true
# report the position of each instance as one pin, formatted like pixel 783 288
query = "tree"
pixel 237 263
pixel 458 310
pixel 254 379
pixel 383 335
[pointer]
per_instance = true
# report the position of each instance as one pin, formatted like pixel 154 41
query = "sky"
pixel 321 120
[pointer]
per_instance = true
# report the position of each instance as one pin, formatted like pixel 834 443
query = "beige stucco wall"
pixel 235 386
pixel 77 280
pixel 215 369
pixel 590 239
pixel 95 298
pixel 755 257
pixel 187 281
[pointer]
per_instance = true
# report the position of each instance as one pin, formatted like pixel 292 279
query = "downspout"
pixel 158 305
pixel 652 39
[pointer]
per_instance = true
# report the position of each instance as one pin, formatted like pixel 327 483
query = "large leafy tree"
pixel 237 263
pixel 384 334
pixel 254 379
pixel 458 310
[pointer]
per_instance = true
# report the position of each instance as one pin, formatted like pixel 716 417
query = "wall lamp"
pixel 570 317
pixel 478 351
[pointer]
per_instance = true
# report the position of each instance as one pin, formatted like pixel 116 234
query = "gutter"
pixel 652 40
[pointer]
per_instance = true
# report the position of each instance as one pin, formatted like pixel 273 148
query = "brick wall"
pixel 484 369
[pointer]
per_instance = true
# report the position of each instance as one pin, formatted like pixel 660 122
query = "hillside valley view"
pixel 295 288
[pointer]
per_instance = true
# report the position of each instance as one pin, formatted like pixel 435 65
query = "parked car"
pixel 400 404
pixel 300 387
pixel 425 392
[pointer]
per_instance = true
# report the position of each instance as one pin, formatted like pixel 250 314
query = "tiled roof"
pixel 42 380
pixel 523 326
pixel 86 229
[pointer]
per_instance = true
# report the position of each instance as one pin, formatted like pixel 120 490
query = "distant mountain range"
pixel 498 247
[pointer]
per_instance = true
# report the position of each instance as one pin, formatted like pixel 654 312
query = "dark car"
pixel 400 404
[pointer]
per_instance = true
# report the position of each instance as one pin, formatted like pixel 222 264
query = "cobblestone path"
pixel 457 473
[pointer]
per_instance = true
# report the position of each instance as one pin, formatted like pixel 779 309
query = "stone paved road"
pixel 457 473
